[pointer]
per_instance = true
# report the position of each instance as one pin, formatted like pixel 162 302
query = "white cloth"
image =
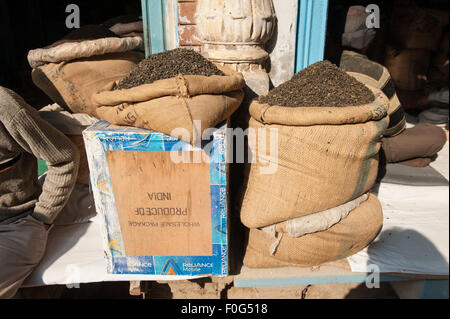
pixel 415 234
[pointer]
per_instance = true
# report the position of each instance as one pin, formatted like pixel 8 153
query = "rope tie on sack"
pixel 183 93
pixel 276 243
pixel 183 86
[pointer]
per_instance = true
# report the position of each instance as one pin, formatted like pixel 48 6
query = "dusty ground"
pixel 206 289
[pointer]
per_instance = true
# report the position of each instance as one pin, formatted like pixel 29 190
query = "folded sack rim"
pixel 307 116
pixel 75 50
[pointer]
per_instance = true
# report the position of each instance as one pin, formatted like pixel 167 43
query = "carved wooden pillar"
pixel 234 33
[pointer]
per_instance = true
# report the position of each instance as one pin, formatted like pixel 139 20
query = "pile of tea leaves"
pixel 322 84
pixel 166 65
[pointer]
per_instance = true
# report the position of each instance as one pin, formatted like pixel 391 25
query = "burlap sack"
pixel 326 157
pixel 344 239
pixel 174 103
pixel 130 29
pixel 71 73
pixel 127 28
pixel 69 51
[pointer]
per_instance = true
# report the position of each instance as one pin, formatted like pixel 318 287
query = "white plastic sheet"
pixel 415 234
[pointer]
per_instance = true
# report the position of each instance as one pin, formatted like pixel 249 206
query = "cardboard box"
pixel 164 202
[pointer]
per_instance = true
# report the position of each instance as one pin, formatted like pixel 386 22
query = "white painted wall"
pixel 282 55
pixel 171 24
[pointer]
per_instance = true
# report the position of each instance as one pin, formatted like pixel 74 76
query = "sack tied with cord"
pixel 177 92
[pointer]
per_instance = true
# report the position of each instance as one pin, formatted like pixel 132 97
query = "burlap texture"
pixel 344 239
pixel 317 222
pixel 310 116
pixel 72 50
pixel 71 84
pixel 174 103
pixel 326 158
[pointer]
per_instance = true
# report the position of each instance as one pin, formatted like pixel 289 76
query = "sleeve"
pixel 39 138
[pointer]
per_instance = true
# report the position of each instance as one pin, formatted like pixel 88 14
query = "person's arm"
pixel 39 138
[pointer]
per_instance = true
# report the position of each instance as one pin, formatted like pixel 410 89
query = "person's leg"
pixel 22 246
pixel 423 140
pixel 417 162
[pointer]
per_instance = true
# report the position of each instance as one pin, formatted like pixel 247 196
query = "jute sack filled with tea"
pixel 344 239
pixel 71 71
pixel 327 156
pixel 174 103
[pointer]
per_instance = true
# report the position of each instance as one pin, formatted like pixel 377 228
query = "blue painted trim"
pixel 145 16
pixel 153 19
pixel 302 281
pixel 311 32
pixel 168 7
